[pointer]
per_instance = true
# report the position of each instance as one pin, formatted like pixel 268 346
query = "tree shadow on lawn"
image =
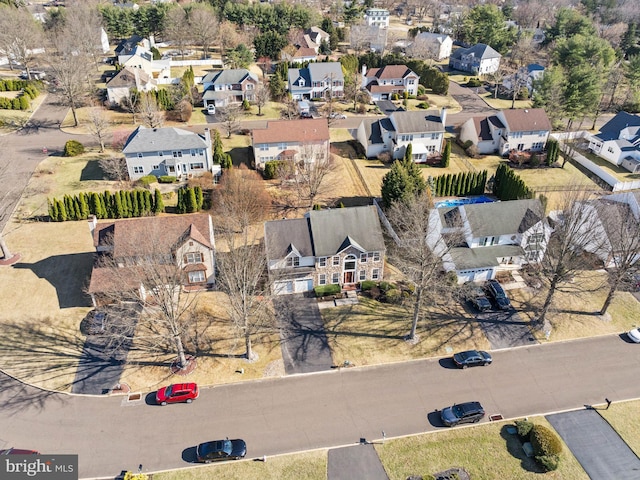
pixel 352 201
pixel 68 274
pixel 241 155
pixel 92 171
pixel 514 447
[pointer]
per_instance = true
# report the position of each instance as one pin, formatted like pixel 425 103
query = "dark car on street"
pixel 469 412
pixel 177 393
pixel 471 358
pixel 478 299
pixel 219 450
pixel 499 296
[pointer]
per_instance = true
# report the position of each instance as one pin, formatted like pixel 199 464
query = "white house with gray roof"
pixel 618 141
pixel 318 80
pixel 341 246
pixel 423 129
pixel 222 87
pixel 168 151
pixel 499 236
pixel 479 59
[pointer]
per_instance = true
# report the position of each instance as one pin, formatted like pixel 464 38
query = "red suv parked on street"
pixel 177 393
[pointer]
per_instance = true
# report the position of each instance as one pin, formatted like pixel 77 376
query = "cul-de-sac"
pixel 319 239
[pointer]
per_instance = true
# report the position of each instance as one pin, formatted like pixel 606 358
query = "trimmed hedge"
pixel 367 285
pixel 524 428
pixel 147 180
pixel 324 290
pixel 544 441
pixel 271 169
pixel 167 179
pixel 73 148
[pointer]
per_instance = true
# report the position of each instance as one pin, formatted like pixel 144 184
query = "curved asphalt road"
pixel 314 411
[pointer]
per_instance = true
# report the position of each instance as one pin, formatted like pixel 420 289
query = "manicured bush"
pixel 271 170
pixel 393 295
pixel 367 285
pixel 524 429
pixel 385 286
pixel 147 180
pixel 548 462
pixel 324 290
pixel 167 179
pixel 423 105
pixel 474 82
pixel 544 441
pixel 73 148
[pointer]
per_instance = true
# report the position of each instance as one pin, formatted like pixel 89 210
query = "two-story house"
pixel 424 130
pixel 498 236
pixel 124 249
pixel 436 46
pixel 317 80
pixel 342 246
pixel 291 140
pixel 168 151
pixel 222 87
pixel 618 141
pixel 126 80
pixel 377 17
pixel 479 59
pixel 383 82
pixel 523 130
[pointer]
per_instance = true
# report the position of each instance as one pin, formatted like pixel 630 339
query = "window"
pixel 376 256
pixel 249 86
pixel 160 154
pixel 322 279
pixel 138 169
pixel 335 261
pixel 193 257
pixel 293 262
pixel 537 146
pixel 431 148
pixel 350 263
pixel 194 153
pixel 155 167
pixel 335 278
pixel 322 262
pixel 375 274
pixel 196 166
pixel 410 82
pixel 363 258
pixel 435 136
pixel 282 146
pixel 196 277
pixel 139 155
pixel 610 149
pixel 264 147
pixel 363 275
pixel 177 154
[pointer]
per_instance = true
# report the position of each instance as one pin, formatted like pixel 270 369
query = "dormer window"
pixel 301 82
pixel 293 262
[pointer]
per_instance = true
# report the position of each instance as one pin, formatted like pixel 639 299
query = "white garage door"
pixel 282 288
pixel 304 285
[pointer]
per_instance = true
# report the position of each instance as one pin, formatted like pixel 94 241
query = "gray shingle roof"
pixel 330 229
pixel 611 129
pixel 502 218
pixel 417 121
pixel 280 235
pixel 228 77
pixel 321 70
pixel 294 75
pixel 482 257
pixel 159 139
pixel 480 51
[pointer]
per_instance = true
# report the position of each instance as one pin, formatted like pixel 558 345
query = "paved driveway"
pixel 505 329
pixel 358 461
pixel 304 342
pixel 597 446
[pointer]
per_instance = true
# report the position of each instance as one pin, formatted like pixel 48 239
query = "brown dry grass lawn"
pixel 371 332
pixel 574 312
pixel 11 120
pixel 621 416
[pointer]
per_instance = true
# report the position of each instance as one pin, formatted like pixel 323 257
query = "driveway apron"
pixel 98 370
pixel 304 342
pixel 505 329
pixel 597 446
pixel 356 462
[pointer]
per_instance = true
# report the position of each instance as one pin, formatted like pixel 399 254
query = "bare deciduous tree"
pixel 152 116
pixel 177 29
pixel 5 211
pixel 115 168
pixel 20 37
pixel 419 249
pixel 289 108
pixel 83 18
pixel 307 174
pixel 230 117
pixel 575 232
pixel 204 25
pixel 241 202
pixel 261 96
pixel 98 125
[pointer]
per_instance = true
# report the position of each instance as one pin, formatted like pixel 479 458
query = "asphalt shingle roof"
pixel 228 77
pixel 160 139
pixel 417 121
pixel 611 129
pixel 502 218
pixel 480 51
pixel 482 257
pixel 299 130
pixel 527 119
pixel 280 235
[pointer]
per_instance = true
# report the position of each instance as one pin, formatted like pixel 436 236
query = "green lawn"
pixel 621 416
pixel 486 452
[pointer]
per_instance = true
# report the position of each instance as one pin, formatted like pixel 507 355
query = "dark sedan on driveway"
pixel 472 358
pixel 497 292
pixel 219 450
pixel 478 299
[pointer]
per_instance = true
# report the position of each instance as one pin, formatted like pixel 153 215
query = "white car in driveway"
pixel 634 335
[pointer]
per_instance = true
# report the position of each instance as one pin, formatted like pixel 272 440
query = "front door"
pixel 348 277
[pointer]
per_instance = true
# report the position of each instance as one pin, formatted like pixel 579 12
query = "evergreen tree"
pixel 158 203
pixel 446 154
pixel 199 197
pixel 84 205
pixel 148 202
pixel 408 153
pixel 218 149
pixel 95 205
pixel 180 204
pixel 191 201
pixel 53 210
pixel 109 204
pixel 117 206
pixel 395 184
pixel 227 162
pixel 62 211
pixel 135 206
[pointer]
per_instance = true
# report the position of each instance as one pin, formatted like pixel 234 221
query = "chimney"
pixel 207 137
pixel 443 116
pixel 364 72
pixel 93 222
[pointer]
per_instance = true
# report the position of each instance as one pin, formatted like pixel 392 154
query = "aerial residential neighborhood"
pixel 275 239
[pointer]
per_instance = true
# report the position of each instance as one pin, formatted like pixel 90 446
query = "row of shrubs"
pixel 120 204
pixel 463 183
pixel 23 100
pixel 190 199
pixel 546 445
pixel 385 291
pixel 15 85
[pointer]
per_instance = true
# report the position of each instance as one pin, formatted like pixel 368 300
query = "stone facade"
pixel 348 274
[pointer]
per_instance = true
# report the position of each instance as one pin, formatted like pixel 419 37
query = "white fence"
pixel 214 62
pixel 605 176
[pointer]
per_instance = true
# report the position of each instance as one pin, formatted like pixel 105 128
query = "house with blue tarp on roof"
pixel 618 141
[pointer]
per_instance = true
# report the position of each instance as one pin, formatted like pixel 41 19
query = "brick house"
pixel 186 240
pixel 290 140
pixel 341 246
